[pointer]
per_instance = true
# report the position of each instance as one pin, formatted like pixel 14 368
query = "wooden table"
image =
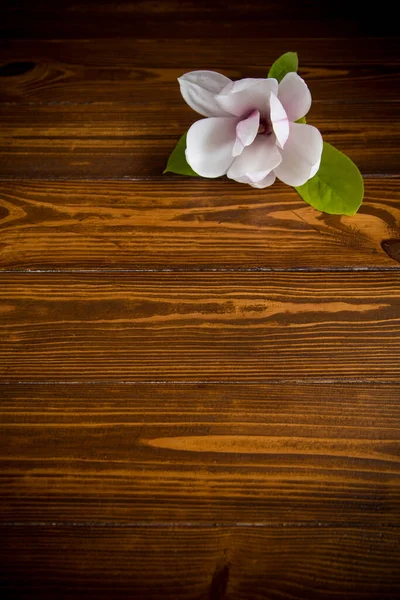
pixel 200 380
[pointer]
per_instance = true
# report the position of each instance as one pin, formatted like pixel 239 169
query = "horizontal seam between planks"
pixel 304 381
pixel 175 103
pixel 160 177
pixel 129 39
pixel 101 271
pixel 202 525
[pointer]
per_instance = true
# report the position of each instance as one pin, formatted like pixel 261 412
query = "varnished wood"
pixel 133 71
pixel 200 326
pixel 272 454
pixel 177 419
pixel 339 53
pixel 213 563
pixel 175 19
pixel 132 141
pixel 185 224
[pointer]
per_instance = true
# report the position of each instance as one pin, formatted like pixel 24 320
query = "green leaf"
pixel 287 63
pixel 301 120
pixel 337 188
pixel 177 162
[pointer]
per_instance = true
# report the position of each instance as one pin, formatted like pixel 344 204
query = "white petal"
pixel 295 96
pixel 315 168
pixel 246 132
pixel 209 145
pixel 301 155
pixel 279 120
pixel 199 89
pixel 241 97
pixel 256 161
pixel 268 180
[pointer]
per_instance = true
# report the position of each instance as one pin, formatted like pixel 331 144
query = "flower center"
pixel 265 127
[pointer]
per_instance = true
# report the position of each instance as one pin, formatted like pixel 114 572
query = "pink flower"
pixel 250 132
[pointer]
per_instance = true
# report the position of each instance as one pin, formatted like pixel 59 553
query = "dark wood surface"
pixel 200 382
pixel 200 326
pixel 169 223
pixel 171 19
pixel 100 142
pixel 297 453
pixel 210 563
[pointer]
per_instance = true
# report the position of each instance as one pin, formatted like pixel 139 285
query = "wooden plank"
pixel 200 326
pixel 131 141
pixel 142 71
pixel 200 563
pixel 174 19
pixel 270 454
pixel 184 224
pixel 193 53
pixel 52 81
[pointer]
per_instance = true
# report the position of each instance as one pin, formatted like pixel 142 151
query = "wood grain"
pixel 199 326
pixel 82 71
pixel 264 454
pixel 182 224
pixel 201 563
pixel 133 141
pixel 339 52
pixel 175 19
pixel 199 381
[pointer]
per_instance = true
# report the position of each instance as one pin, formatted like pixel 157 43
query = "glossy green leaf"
pixel 337 188
pixel 177 162
pixel 287 63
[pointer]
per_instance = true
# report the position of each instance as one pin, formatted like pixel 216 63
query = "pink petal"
pixel 295 96
pixel 301 155
pixel 268 180
pixel 199 89
pixel 279 120
pixel 256 161
pixel 241 97
pixel 246 132
pixel 209 145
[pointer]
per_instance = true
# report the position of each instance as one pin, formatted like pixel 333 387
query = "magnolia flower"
pixel 250 133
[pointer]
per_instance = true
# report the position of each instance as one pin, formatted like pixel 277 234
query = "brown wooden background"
pixel 199 380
